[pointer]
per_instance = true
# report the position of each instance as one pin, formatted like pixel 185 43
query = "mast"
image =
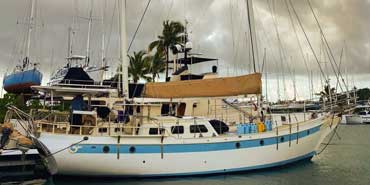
pixel 87 60
pixel 294 86
pixel 278 85
pixel 30 29
pixel 103 62
pixel 251 30
pixel 265 68
pixel 185 41
pixel 69 49
pixel 73 27
pixel 311 84
pixel 123 48
pixel 309 76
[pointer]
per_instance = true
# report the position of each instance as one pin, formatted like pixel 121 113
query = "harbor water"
pixel 345 161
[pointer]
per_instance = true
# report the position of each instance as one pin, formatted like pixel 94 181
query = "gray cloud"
pixel 218 29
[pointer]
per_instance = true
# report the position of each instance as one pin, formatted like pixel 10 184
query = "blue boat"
pixel 26 75
pixel 21 81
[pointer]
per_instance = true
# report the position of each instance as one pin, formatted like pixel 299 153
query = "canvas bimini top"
pixel 216 87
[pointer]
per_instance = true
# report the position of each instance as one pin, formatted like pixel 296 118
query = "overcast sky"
pixel 218 29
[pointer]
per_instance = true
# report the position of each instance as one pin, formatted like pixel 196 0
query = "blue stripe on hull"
pixel 201 147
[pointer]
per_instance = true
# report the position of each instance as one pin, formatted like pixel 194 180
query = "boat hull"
pixel 21 82
pixel 358 119
pixel 113 156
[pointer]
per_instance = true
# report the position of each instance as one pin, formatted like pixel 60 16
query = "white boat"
pixel 361 115
pixel 130 141
pixel 181 151
pixel 170 145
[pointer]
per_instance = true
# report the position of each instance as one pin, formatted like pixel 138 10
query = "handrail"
pixel 23 117
pixel 96 128
pixel 237 108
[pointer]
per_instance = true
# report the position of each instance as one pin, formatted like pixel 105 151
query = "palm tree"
pixel 327 94
pixel 171 35
pixel 139 66
pixel 157 64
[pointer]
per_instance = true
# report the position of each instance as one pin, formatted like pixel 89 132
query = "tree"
pixel 139 66
pixel 8 99
pixel 171 35
pixel 363 94
pixel 327 94
pixel 157 65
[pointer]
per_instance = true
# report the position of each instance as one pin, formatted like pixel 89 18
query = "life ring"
pixel 74 149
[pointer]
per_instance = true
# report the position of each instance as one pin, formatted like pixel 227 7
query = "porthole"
pixel 237 145
pixel 281 139
pixel 262 142
pixel 132 149
pixel 106 149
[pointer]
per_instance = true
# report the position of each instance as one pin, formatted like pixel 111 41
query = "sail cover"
pixel 216 87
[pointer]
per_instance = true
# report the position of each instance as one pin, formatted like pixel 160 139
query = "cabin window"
pixel 155 131
pixel 165 110
pixel 283 118
pixel 177 129
pixel 168 109
pixel 94 102
pixel 198 129
pixel 103 130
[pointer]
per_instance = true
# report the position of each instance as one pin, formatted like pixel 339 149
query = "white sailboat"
pixel 86 143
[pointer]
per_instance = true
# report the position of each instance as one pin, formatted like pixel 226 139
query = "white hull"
pixel 184 156
pixel 357 119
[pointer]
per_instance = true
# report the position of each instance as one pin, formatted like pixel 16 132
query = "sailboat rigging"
pixel 177 127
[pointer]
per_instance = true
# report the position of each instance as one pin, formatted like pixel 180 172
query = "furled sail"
pixel 216 87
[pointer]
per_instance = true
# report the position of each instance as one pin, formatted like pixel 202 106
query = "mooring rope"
pixel 61 150
pixel 331 138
